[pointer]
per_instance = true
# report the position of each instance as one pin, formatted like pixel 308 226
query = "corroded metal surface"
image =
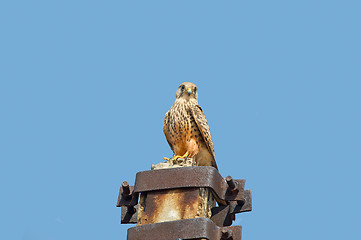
pixel 222 216
pixel 127 196
pixel 179 178
pixel 179 203
pixel 237 193
pixel 186 177
pixel 170 205
pixel 197 228
pixel 173 194
pixel 128 215
pixel 247 206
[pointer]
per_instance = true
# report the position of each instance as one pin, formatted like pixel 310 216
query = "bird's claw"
pixel 184 156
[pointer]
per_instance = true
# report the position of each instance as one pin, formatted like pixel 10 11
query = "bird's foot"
pixel 184 156
pixel 167 159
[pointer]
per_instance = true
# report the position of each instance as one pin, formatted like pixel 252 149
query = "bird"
pixel 186 128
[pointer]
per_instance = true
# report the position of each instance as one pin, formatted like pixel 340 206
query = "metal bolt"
pixel 226 234
pixel 232 185
pixel 126 190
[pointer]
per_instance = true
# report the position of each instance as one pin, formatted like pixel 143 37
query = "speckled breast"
pixel 182 125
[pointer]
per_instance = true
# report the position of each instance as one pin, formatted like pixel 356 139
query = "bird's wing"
pixel 203 127
pixel 166 130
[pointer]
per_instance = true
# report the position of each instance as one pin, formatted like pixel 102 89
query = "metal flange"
pixel 221 216
pixel 187 177
pixel 196 228
pixel 228 192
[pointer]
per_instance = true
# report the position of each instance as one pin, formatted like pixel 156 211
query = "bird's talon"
pixel 183 157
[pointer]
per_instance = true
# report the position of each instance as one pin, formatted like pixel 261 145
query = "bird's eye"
pixel 195 89
pixel 182 87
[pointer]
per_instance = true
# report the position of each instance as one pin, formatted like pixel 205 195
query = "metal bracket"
pixel 187 177
pixel 229 193
pixel 127 196
pixel 221 216
pixel 196 228
pixel 224 215
pixel 129 214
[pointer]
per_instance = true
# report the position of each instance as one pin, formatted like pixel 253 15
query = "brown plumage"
pixel 186 128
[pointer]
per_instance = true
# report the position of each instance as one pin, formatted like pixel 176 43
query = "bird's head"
pixel 187 91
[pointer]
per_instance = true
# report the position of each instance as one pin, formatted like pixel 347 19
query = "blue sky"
pixel 85 85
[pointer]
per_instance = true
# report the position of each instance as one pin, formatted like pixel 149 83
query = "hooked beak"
pixel 189 91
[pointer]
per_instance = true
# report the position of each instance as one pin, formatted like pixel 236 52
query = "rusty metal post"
pixel 178 201
pixel 175 204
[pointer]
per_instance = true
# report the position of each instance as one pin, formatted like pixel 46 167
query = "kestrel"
pixel 186 128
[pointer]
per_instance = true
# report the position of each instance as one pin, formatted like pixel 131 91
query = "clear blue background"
pixel 85 86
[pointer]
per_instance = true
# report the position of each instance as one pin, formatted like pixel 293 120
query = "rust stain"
pixel 170 205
